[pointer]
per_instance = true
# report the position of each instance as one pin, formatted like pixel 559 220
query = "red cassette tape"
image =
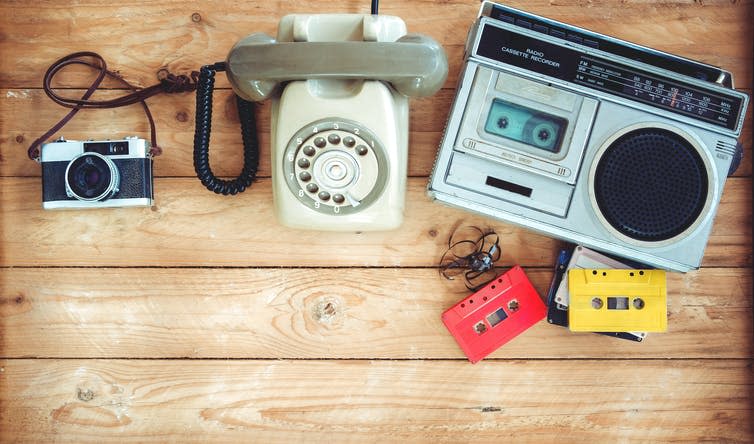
pixel 494 315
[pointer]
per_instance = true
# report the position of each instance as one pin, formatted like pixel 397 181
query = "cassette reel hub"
pixel 335 166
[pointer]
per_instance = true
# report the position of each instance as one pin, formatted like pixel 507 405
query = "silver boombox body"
pixel 561 130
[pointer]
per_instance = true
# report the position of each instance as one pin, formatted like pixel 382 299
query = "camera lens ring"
pixel 91 177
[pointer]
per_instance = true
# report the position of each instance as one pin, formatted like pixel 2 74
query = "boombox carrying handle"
pixel 415 65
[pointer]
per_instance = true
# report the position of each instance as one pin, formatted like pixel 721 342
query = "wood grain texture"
pixel 190 226
pixel 185 35
pixel 26 114
pixel 203 320
pixel 368 401
pixel 326 314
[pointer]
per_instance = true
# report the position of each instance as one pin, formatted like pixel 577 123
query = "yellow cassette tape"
pixel 617 300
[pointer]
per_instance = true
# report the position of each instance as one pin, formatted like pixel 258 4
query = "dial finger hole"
pixel 333 139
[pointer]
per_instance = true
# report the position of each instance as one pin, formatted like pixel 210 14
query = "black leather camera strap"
pixel 169 83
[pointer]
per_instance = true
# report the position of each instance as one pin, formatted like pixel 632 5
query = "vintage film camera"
pixel 590 139
pixel 96 174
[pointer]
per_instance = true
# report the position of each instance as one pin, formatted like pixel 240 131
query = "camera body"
pixel 589 139
pixel 96 174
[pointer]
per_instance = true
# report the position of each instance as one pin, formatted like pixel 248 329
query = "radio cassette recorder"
pixel 590 139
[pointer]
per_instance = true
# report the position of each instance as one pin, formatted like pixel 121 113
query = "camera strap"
pixel 169 83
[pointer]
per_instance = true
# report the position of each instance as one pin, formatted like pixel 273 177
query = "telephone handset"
pixel 340 121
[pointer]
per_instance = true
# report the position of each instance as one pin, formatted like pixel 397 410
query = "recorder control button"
pixel 324 195
pixel 312 188
pixel 333 139
pixel 309 150
pixel 303 162
pixel 362 150
pixel 574 38
pixel 349 141
pixel 338 198
pixel 304 176
pixel 320 142
pixel 591 43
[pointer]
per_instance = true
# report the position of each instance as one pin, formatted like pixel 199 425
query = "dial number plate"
pixel 335 166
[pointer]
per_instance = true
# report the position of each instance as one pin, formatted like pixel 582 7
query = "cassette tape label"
pixel 617 300
pixel 533 128
pixel 494 315
pixel 557 297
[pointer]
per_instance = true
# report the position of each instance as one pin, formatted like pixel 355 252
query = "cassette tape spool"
pixel 335 167
pixel 494 315
pixel 617 300
pixel 557 296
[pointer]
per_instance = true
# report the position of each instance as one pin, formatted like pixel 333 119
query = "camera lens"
pixel 91 177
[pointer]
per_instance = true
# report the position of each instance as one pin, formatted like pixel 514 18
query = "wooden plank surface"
pixel 326 313
pixel 28 115
pixel 368 401
pixel 190 226
pixel 202 319
pixel 182 41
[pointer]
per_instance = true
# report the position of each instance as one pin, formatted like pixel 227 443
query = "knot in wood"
pixel 327 311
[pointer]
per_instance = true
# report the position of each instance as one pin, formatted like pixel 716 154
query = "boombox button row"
pixel 530 162
pixel 544 29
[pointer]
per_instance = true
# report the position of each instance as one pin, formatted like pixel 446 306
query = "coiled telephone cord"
pixel 204 89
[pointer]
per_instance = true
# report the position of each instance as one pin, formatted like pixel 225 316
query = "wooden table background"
pixel 202 319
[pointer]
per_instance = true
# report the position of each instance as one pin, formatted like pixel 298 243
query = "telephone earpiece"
pixel 415 64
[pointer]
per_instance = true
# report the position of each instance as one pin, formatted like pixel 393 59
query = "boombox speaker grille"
pixel 650 184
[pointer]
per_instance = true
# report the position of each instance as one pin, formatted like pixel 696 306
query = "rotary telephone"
pixel 339 85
